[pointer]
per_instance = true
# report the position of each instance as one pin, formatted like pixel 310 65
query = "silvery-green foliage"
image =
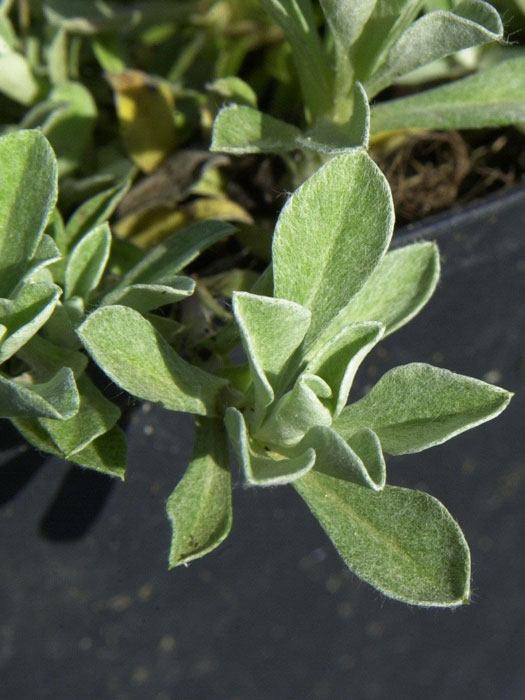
pixel 331 294
pixel 52 274
pixel 374 43
pixel 336 293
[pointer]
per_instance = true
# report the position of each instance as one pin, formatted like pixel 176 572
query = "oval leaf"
pixel 436 35
pixel 137 358
pixel 239 129
pixel 27 196
pixel 200 508
pixel 492 97
pixel 57 398
pixel 418 406
pixel 395 292
pixel 330 236
pixel 25 315
pixel 87 262
pixel 403 542
pixel 271 330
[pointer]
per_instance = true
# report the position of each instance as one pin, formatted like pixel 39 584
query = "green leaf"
pixel 146 297
pixel 93 212
pixel 332 138
pixel 163 263
pixel 268 469
pixel 46 254
pixel 330 236
pixel 87 262
pixel 299 410
pixel 200 507
pixel 46 358
pixel 436 35
pixel 61 326
pixel 95 416
pixel 402 542
pixel 387 22
pixel 271 330
pixel 17 80
pixel 491 98
pixel 337 359
pixel 418 406
pixel 336 457
pixel 234 89
pixel 238 129
pixel 57 398
pixel 146 366
pixel 395 292
pixel 106 454
pixel 27 197
pixel 25 315
pixel 297 20
pixel 347 18
pixel 70 130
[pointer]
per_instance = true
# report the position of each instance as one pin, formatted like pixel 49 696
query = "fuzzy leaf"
pixel 56 398
pixel 337 359
pixel 436 35
pixel 137 358
pixel 297 20
pixel 70 129
pixel 163 263
pixel 296 412
pixel 239 129
pixel 25 315
pixel 331 138
pixel 271 330
pixel 46 358
pixel 347 18
pixel 95 416
pixel 91 213
pixel 264 469
pixel 362 464
pixel 402 542
pixel 200 508
pixel 146 297
pixel 46 254
pixel 418 406
pixel 27 197
pixel 330 236
pixel 87 262
pixel 395 292
pixel 106 454
pixel 493 97
pixel 387 22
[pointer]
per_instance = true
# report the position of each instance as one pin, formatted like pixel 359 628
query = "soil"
pixel 428 172
pixel 434 171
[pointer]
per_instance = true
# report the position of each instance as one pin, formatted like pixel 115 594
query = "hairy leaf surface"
pixel 200 508
pixel 418 406
pixel 403 542
pixel 136 357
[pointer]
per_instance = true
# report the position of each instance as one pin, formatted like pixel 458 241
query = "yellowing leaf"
pixel 145 108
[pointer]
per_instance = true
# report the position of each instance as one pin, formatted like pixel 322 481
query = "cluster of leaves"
pixel 52 273
pixel 373 44
pixel 77 301
pixel 331 294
